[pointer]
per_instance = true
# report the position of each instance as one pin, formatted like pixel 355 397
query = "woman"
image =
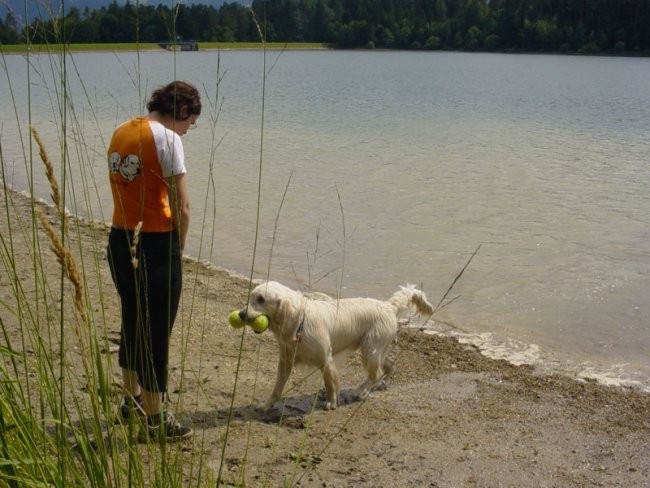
pixel 151 216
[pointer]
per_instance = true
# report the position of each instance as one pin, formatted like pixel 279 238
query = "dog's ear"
pixel 285 314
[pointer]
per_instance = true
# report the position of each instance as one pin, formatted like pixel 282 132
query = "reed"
pixel 58 399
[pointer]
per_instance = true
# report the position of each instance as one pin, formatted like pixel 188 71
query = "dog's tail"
pixel 403 301
pixel 409 296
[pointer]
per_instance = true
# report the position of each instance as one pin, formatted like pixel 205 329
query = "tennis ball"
pixel 260 324
pixel 235 320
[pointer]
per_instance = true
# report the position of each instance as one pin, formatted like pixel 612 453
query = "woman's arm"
pixel 180 205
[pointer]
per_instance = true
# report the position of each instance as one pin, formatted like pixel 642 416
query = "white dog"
pixel 313 331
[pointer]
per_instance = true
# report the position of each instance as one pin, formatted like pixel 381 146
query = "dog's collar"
pixel 300 329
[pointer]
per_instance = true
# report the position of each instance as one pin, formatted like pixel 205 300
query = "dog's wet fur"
pixel 314 329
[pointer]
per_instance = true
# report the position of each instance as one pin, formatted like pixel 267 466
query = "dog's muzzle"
pixel 247 317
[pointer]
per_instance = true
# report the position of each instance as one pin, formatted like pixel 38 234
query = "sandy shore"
pixel 450 417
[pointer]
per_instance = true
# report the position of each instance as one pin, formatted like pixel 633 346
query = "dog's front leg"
pixel 284 370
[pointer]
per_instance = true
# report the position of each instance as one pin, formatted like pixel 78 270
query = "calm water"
pixel 381 168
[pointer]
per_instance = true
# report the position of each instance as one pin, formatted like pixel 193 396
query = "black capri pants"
pixel 149 295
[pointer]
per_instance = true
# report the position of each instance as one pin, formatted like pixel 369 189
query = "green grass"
pixel 55 417
pixel 132 46
pixel 259 45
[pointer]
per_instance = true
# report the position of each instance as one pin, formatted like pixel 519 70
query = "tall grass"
pixel 58 400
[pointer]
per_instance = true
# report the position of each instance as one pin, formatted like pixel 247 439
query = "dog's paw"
pixel 267 405
pixel 381 385
pixel 362 395
pixel 330 406
pixel 263 407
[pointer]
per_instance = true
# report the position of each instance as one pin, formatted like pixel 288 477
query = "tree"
pixel 320 23
pixel 9 30
pixel 587 26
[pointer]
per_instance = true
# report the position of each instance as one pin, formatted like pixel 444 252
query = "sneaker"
pixel 164 426
pixel 131 407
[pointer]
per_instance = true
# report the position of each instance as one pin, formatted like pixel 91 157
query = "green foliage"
pixel 9 30
pixel 509 25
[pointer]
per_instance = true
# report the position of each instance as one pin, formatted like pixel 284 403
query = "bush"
pixel 432 43
pixel 589 48
pixel 492 42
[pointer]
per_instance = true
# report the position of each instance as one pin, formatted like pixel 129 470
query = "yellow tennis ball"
pixel 235 320
pixel 260 324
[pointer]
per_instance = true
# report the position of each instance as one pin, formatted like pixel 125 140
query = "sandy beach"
pixel 449 417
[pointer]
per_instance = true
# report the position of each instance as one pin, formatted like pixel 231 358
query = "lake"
pixel 385 168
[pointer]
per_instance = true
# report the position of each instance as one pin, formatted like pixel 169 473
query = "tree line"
pixel 584 26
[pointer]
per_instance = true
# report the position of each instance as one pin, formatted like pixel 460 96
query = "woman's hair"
pixel 178 99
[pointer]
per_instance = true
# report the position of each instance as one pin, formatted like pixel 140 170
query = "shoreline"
pixel 504 348
pixel 448 416
pixel 507 349
pixel 23 49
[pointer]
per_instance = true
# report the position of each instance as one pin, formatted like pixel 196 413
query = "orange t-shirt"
pixel 140 192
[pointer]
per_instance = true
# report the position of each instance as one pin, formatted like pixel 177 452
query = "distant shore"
pixel 133 46
pixel 6 49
